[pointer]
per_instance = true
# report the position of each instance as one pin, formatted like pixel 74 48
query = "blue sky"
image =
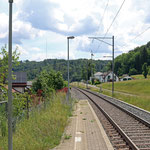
pixel 40 28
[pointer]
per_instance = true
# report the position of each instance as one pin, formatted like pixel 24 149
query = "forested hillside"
pixel 131 63
pixel 77 67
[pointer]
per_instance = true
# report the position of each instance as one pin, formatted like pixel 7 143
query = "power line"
pixel 114 19
pixel 102 18
pixel 138 35
pixel 141 33
pixel 103 14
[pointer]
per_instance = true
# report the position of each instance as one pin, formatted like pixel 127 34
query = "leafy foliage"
pixel 145 70
pixel 132 62
pixel 34 68
pixel 48 81
pixel 4 63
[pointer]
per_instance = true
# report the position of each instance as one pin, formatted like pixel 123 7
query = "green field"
pixel 140 76
pixel 140 87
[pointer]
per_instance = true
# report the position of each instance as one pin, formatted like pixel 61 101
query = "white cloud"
pixel 35 21
pixel 21 30
pixel 21 50
pixel 55 17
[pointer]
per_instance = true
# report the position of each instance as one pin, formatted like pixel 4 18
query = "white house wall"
pixel 102 79
pixel 111 76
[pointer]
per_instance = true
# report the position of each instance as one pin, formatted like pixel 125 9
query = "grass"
pixel 139 76
pixel 136 87
pixel 139 90
pixel 142 102
pixel 43 130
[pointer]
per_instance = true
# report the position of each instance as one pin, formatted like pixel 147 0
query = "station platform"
pixel 84 131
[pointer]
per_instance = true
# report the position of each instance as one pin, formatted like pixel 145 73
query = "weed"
pixel 92 120
pixel 67 136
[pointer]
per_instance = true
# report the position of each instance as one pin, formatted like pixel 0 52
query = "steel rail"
pixel 146 123
pixel 121 132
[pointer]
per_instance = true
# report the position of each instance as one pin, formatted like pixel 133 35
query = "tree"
pixel 144 55
pixel 132 71
pixel 145 70
pixel 4 63
pixel 84 73
pixel 148 70
pixel 48 81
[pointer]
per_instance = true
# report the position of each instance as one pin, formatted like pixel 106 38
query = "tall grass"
pixel 44 128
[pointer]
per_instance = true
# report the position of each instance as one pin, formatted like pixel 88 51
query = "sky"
pixel 41 27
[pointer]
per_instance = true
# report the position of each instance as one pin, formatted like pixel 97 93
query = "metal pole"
pixel 10 145
pixel 91 66
pixel 87 76
pixel 68 71
pixel 113 65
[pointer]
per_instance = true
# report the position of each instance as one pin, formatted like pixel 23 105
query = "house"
pixel 125 77
pixel 20 82
pixel 106 76
pixel 98 75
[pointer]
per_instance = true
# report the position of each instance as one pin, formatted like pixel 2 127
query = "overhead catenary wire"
pixel 137 36
pixel 103 14
pixel 113 20
pixel 141 33
pixel 102 18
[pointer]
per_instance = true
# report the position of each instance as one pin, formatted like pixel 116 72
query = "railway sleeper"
pixel 119 146
pixel 141 141
pixel 139 134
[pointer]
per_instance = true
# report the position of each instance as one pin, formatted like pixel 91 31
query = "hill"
pixel 131 62
pixel 77 67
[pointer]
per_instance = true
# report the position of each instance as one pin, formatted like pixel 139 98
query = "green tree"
pixel 148 70
pixel 132 71
pixel 145 70
pixel 144 55
pixel 84 73
pixel 4 63
pixel 48 81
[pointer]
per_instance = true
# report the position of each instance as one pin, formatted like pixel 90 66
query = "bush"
pixel 89 82
pixel 97 82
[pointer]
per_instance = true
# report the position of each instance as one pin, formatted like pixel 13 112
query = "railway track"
pixel 125 130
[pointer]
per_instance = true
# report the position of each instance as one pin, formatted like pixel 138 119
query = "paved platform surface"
pixel 84 131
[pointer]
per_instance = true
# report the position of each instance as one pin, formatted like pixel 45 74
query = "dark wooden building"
pixel 20 82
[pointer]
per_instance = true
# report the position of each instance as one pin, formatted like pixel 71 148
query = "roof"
pixel 21 77
pixel 6 86
pixel 106 73
pixel 98 73
pixel 125 75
